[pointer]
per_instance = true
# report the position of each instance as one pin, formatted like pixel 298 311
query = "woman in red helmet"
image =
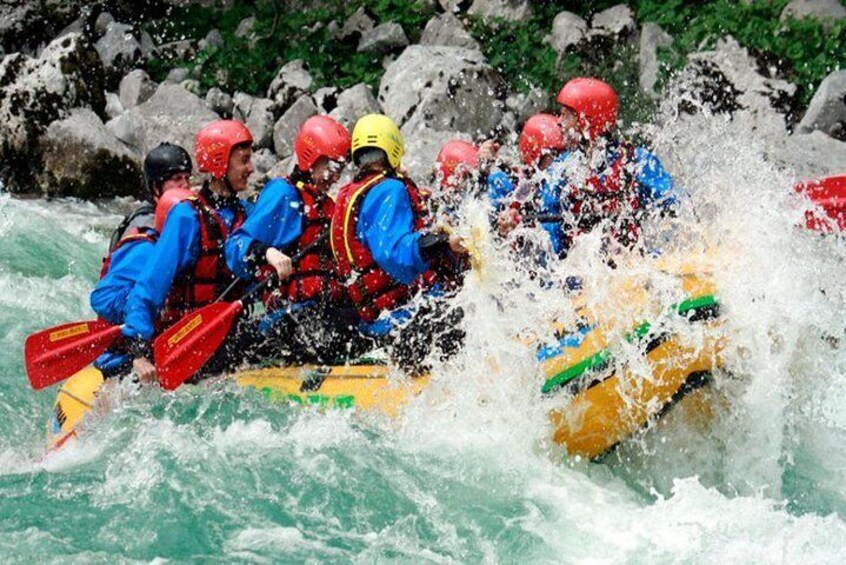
pixel 187 269
pixel 307 312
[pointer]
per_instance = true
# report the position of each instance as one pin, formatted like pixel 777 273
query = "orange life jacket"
pixel 210 276
pixel 371 289
pixel 314 276
pixel 613 195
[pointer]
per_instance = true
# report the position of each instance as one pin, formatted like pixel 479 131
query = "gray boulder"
pixel 101 24
pixel 148 46
pixel 291 81
pixel 282 168
pixel 136 88
pixel 16 20
pixel 113 106
pixel 263 160
pixel 524 106
pixel 421 150
pixel 512 10
pixel 828 11
pixel 183 50
pixel 288 125
pixel 245 27
pixel 726 80
pixel 827 110
pixel 172 114
pixel 354 103
pixel 119 50
pixel 326 98
pixel 448 30
pixel 213 40
pixel 177 75
pixel 382 39
pixel 242 103
pixel 568 30
pixel 616 21
pixel 82 158
pixel 260 121
pixel 219 102
pixel 651 38
pixel 356 25
pixel 811 155
pixel 36 92
pixel 444 88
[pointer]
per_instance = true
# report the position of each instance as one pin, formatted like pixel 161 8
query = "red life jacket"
pixel 314 277
pixel 613 195
pixel 371 289
pixel 138 226
pixel 210 276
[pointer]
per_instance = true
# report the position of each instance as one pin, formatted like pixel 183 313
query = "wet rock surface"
pixel 84 159
pixel 443 88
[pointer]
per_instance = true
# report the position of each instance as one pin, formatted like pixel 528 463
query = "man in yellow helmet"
pixel 386 253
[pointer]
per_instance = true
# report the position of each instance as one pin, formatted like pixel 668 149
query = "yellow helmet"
pixel 377 130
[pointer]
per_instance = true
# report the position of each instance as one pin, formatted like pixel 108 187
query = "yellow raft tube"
pixel 603 400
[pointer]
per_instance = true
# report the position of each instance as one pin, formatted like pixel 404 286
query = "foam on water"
pixel 467 473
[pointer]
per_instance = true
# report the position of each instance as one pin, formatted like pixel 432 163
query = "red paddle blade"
pixel 830 195
pixel 56 353
pixel 186 346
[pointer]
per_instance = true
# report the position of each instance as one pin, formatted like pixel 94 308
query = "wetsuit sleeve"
pixel 499 188
pixel 274 221
pixel 176 250
pixel 655 185
pixel 108 299
pixel 386 227
pixel 549 204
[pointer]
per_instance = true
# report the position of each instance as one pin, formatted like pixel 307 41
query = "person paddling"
pixel 597 177
pixel 167 174
pixel 187 268
pixel 308 314
pixel 386 250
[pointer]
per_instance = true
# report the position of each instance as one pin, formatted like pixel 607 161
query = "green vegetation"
pixel 280 36
pixel 802 52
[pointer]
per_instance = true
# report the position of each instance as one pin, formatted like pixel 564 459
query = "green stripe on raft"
pixel 600 359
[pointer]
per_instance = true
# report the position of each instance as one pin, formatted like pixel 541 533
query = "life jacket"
pixel 137 226
pixel 210 276
pixel 371 289
pixel 613 195
pixel 314 276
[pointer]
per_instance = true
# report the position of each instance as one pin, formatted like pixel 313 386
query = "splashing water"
pixel 468 472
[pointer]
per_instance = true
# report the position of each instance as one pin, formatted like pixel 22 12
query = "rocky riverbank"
pixel 78 106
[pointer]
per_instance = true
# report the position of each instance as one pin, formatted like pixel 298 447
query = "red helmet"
pixel 214 145
pixel 454 154
pixel 541 133
pixel 167 201
pixel 321 136
pixel 595 103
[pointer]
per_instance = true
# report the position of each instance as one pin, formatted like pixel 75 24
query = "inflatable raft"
pixel 600 397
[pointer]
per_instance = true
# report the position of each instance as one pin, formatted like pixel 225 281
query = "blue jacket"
pixel 176 251
pixel 500 186
pixel 654 185
pixel 275 221
pixel 386 227
pixel 108 299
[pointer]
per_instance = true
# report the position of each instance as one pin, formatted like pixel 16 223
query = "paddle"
pixel 54 354
pixel 186 346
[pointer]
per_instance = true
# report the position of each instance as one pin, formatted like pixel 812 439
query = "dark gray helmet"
pixel 162 162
